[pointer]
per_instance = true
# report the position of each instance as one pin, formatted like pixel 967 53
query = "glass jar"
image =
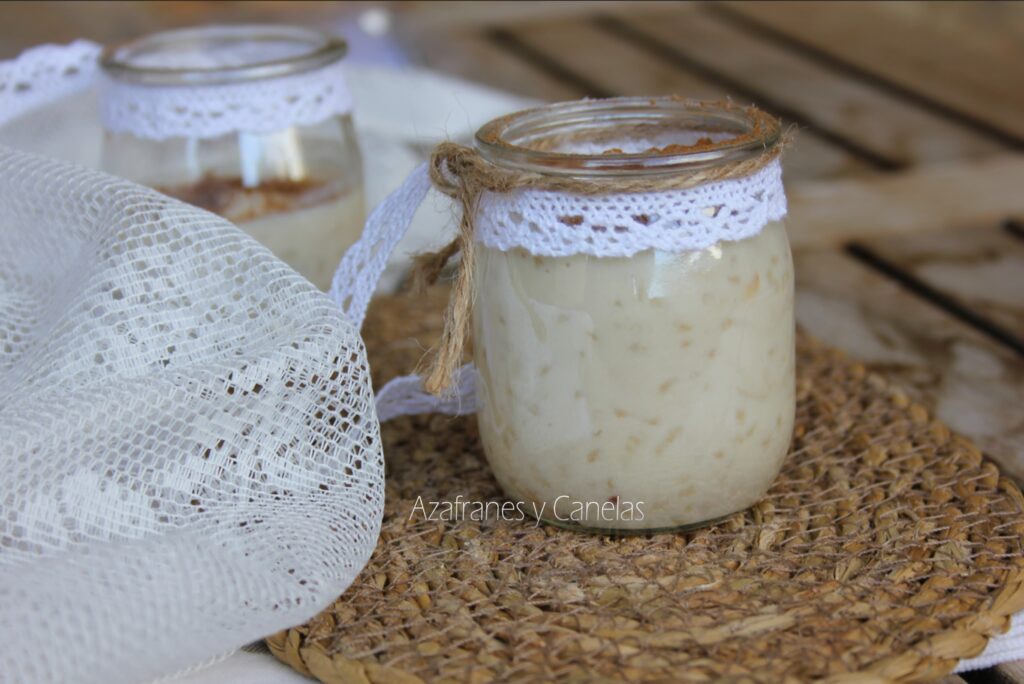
pixel 250 122
pixel 640 393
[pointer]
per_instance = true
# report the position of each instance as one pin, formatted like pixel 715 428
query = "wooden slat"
pixel 982 268
pixel 1007 673
pixel 672 53
pixel 977 71
pixel 458 15
pixel 611 65
pixel 971 382
pixel 475 57
pixel 927 199
pixel 621 68
pixel 617 66
pixel 887 125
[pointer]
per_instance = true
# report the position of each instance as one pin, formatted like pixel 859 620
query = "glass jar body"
pixel 644 393
pixel 298 191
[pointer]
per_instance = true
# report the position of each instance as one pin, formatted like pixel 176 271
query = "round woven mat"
pixel 887 550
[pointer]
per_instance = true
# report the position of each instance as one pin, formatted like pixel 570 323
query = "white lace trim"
pixel 356 277
pixel 404 396
pixel 45 74
pixel 548 223
pixel 209 111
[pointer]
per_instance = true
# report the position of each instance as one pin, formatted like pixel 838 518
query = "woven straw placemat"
pixel 887 550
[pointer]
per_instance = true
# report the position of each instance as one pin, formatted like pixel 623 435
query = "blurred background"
pixel 917 35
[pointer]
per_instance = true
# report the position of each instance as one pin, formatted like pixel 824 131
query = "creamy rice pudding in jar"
pixel 250 122
pixel 653 388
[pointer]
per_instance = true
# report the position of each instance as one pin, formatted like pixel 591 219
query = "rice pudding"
pixel 659 382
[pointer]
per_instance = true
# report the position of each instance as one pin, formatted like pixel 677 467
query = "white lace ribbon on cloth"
pixel 45 74
pixel 555 224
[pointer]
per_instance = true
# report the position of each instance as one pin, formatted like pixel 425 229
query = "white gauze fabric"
pixel 190 449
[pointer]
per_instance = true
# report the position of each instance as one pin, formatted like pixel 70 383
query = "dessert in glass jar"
pixel 650 391
pixel 298 188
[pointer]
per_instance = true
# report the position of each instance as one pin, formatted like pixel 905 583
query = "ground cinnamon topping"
pixel 230 198
pixel 704 144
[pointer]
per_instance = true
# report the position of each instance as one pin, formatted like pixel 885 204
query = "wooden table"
pixel 906 182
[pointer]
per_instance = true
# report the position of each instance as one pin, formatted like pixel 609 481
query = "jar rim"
pixel 505 141
pixel 117 60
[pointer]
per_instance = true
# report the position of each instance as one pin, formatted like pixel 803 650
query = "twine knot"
pixel 455 170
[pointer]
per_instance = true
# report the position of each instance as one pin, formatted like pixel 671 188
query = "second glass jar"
pixel 298 190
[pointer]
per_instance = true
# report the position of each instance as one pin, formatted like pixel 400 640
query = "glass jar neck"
pixel 627 137
pixel 216 55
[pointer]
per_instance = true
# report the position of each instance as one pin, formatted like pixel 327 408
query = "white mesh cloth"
pixel 190 451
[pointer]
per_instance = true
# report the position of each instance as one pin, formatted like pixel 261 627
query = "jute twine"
pixel 463 174
pixel 887 550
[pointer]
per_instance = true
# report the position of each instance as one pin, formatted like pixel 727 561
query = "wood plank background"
pixel 906 181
